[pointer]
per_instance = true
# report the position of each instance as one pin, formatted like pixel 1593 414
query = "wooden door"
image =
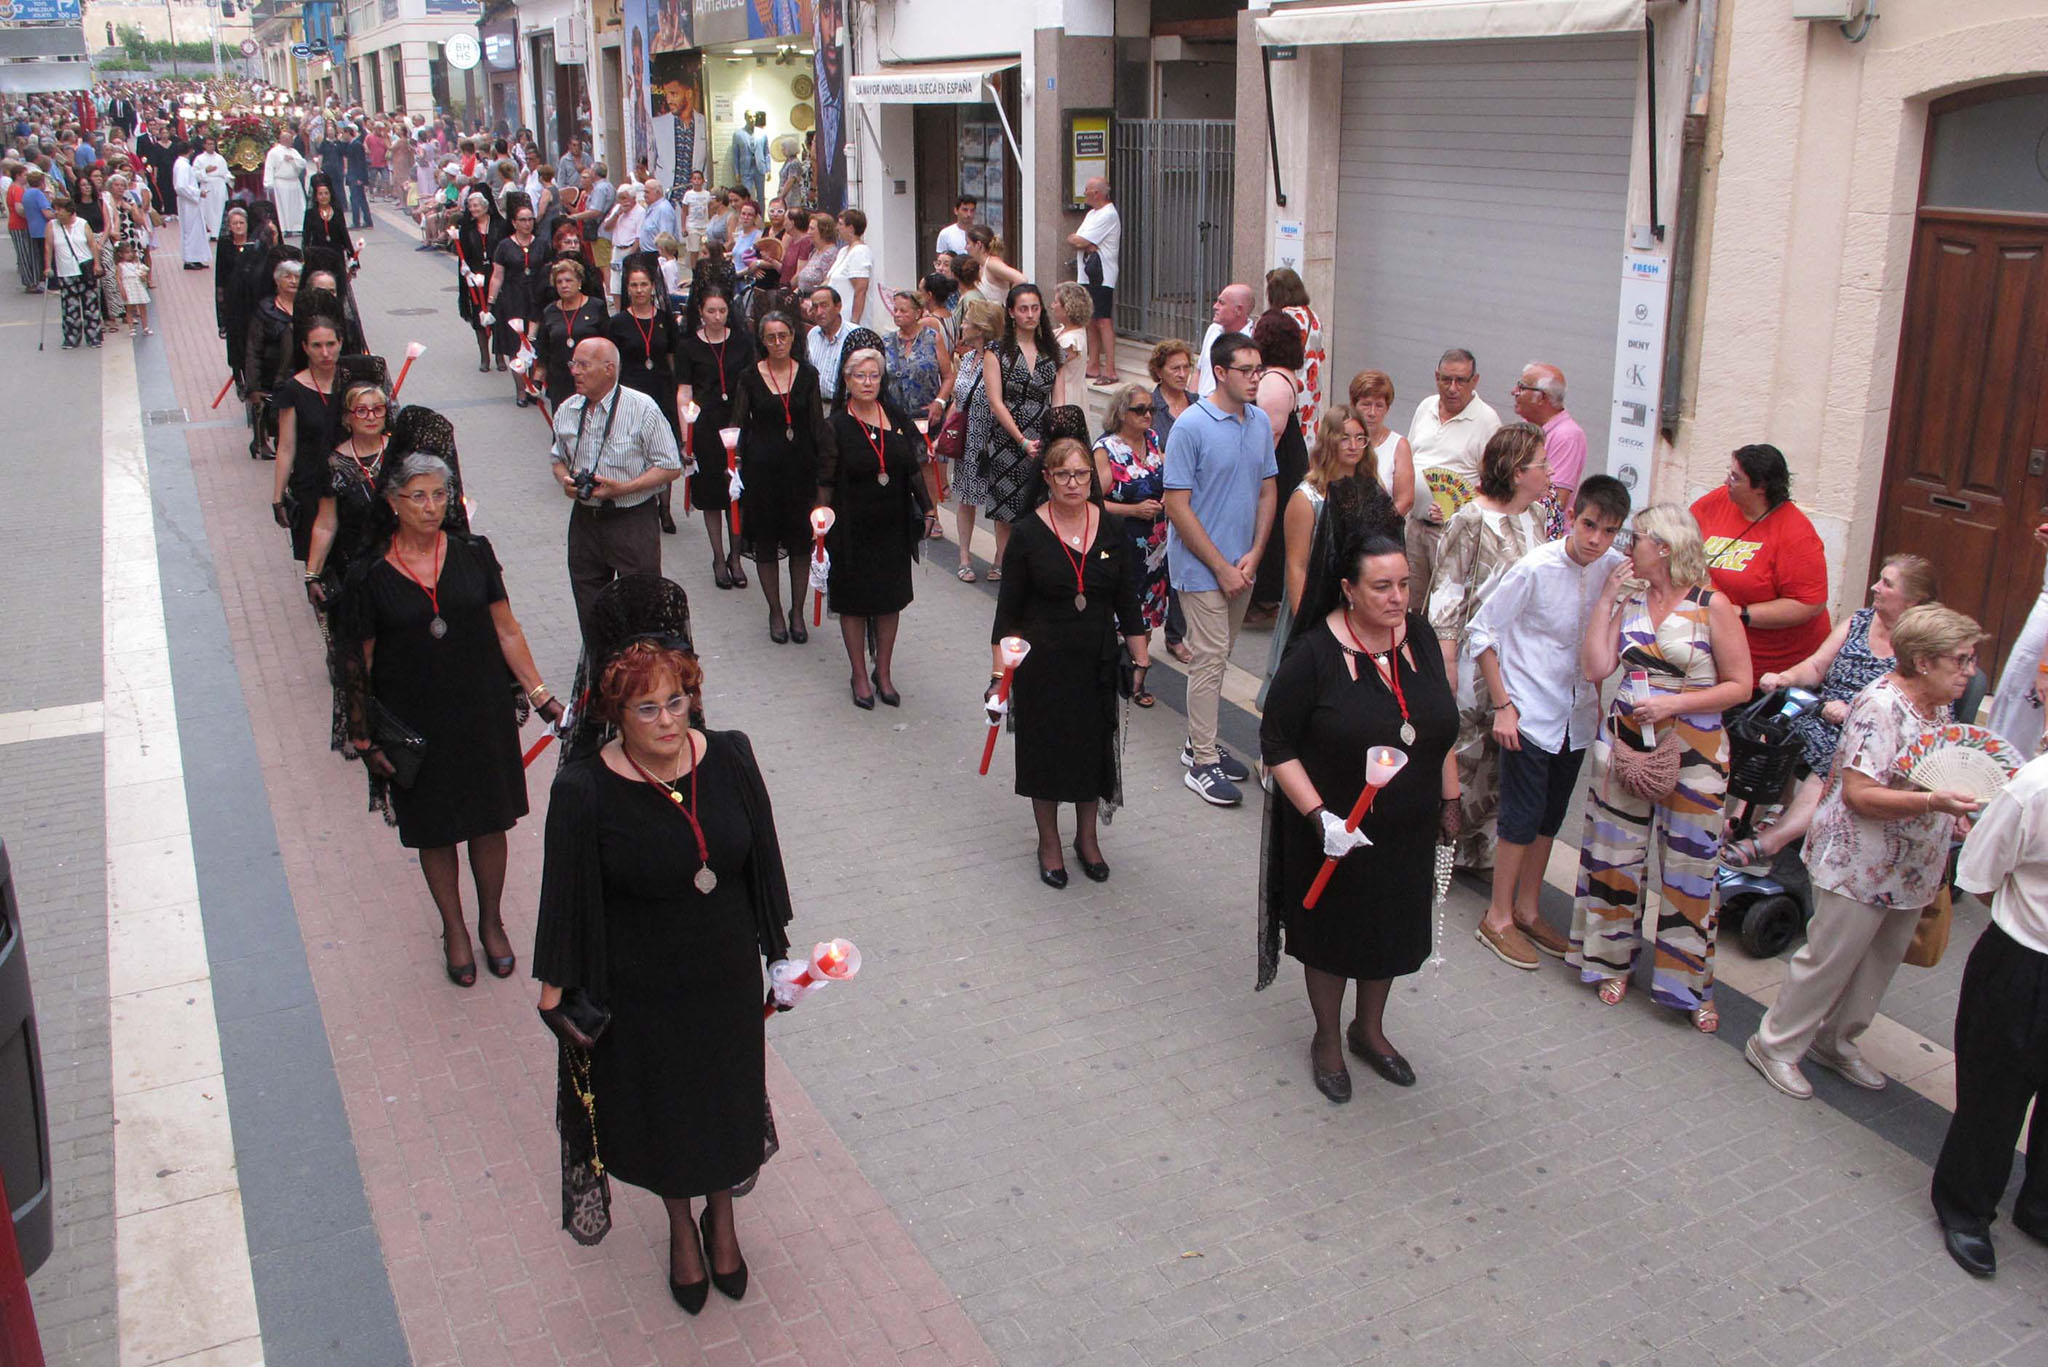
pixel 1966 472
pixel 936 134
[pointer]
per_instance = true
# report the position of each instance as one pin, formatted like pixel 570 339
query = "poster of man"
pixel 829 175
pixel 681 135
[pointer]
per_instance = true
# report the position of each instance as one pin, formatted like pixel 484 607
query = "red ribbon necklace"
pixel 436 627
pixel 1080 595
pixel 875 444
pixel 705 880
pixel 646 337
pixel 788 416
pixel 1390 674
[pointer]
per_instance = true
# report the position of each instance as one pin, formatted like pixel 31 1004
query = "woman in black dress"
pixel 518 287
pixel 341 522
pixel 326 225
pixel 779 408
pixel 570 317
pixel 1281 349
pixel 1007 420
pixel 267 355
pixel 429 642
pixel 1363 671
pixel 308 429
pixel 230 303
pixel 650 346
pixel 1070 588
pixel 872 482
pixel 711 360
pixel 661 893
pixel 476 238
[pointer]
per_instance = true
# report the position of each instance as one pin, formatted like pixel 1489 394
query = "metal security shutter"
pixel 1482 194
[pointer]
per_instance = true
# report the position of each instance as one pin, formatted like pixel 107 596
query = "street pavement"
pixel 1042 1127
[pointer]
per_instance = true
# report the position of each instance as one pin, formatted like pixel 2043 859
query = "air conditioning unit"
pixel 571 42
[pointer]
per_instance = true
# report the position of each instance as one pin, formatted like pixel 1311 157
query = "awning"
pixel 928 82
pixel 1423 21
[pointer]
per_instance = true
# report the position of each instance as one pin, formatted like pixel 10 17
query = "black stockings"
pixel 854 631
pixel 1326 1000
pixel 1047 816
pixel 686 1257
pixel 444 880
pixel 769 572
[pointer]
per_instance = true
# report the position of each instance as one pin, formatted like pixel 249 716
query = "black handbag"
pixel 405 748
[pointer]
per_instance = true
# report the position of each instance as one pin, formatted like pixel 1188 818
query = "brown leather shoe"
pixel 1510 946
pixel 1545 937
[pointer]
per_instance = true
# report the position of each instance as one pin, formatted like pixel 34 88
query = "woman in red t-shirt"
pixel 1765 555
pixel 28 259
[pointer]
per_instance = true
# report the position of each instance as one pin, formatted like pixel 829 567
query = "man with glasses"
pixel 1222 486
pixel 1539 398
pixel 1449 433
pixel 612 454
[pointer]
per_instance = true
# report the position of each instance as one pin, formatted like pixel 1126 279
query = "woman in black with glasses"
pixel 1069 589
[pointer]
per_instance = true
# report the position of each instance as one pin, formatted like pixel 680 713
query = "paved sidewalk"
pixel 1042 1127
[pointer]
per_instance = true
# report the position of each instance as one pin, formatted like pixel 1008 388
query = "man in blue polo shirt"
pixel 1221 492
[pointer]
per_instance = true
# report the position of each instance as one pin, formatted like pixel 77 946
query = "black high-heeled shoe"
pixel 690 1295
pixel 889 697
pixel 777 634
pixel 462 975
pixel 1052 878
pixel 736 566
pixel 1097 871
pixel 732 1285
pixel 668 521
pixel 797 631
pixel 866 704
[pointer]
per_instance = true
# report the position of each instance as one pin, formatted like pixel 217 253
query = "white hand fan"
pixel 1966 759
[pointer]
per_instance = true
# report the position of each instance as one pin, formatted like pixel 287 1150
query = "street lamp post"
pixel 171 16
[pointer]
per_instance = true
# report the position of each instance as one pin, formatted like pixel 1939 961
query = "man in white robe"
pixel 215 180
pixel 284 179
pixel 191 211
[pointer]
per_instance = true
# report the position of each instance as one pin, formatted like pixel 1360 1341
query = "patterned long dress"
pixel 1478 547
pixel 1614 853
pixel 970 485
pixel 1136 477
pixel 1012 473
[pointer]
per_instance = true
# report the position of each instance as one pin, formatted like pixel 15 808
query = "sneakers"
pixel 1212 784
pixel 1853 1069
pixel 1233 768
pixel 1510 946
pixel 1786 1077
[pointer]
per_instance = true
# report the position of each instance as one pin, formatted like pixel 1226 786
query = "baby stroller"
pixel 1766 909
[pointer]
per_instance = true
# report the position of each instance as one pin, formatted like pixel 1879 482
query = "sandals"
pixel 1744 853
pixel 995 572
pixel 965 574
pixel 1612 990
pixel 1706 1019
pixel 720 575
pixel 735 565
pixel 1140 695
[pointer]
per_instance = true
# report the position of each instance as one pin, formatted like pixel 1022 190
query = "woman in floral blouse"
pixel 1877 852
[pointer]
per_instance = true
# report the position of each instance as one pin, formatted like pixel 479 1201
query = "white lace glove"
pixel 476 282
pixel 997 709
pixel 486 319
pixel 1338 842
pixel 781 982
pixel 733 485
pixel 821 572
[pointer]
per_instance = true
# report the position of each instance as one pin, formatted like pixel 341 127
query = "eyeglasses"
pixel 369 410
pixel 1963 660
pixel 1252 370
pixel 677 706
pixel 1521 388
pixel 426 498
pixel 1070 476
pixel 1144 408
pixel 1455 381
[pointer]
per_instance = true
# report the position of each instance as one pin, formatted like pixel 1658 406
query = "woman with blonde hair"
pixel 1877 853
pixel 1660 761
pixel 1072 311
pixel 1343 448
pixel 980 324
pixel 1130 469
pixel 998 277
pixel 1856 653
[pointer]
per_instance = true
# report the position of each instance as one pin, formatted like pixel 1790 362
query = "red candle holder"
pixel 1382 762
pixel 1011 650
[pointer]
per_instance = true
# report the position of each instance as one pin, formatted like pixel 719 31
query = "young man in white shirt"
pixel 953 237
pixel 2001 1029
pixel 1526 639
pixel 696 216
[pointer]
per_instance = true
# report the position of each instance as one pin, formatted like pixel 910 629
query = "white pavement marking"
pixel 50 723
pixel 181 1251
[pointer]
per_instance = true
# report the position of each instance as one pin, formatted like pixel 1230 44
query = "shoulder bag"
pixel 951 441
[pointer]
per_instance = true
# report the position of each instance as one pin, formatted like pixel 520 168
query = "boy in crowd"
pixel 1546 713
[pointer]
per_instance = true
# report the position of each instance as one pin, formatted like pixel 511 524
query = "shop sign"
pixel 1638 371
pixel 462 51
pixel 908 87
